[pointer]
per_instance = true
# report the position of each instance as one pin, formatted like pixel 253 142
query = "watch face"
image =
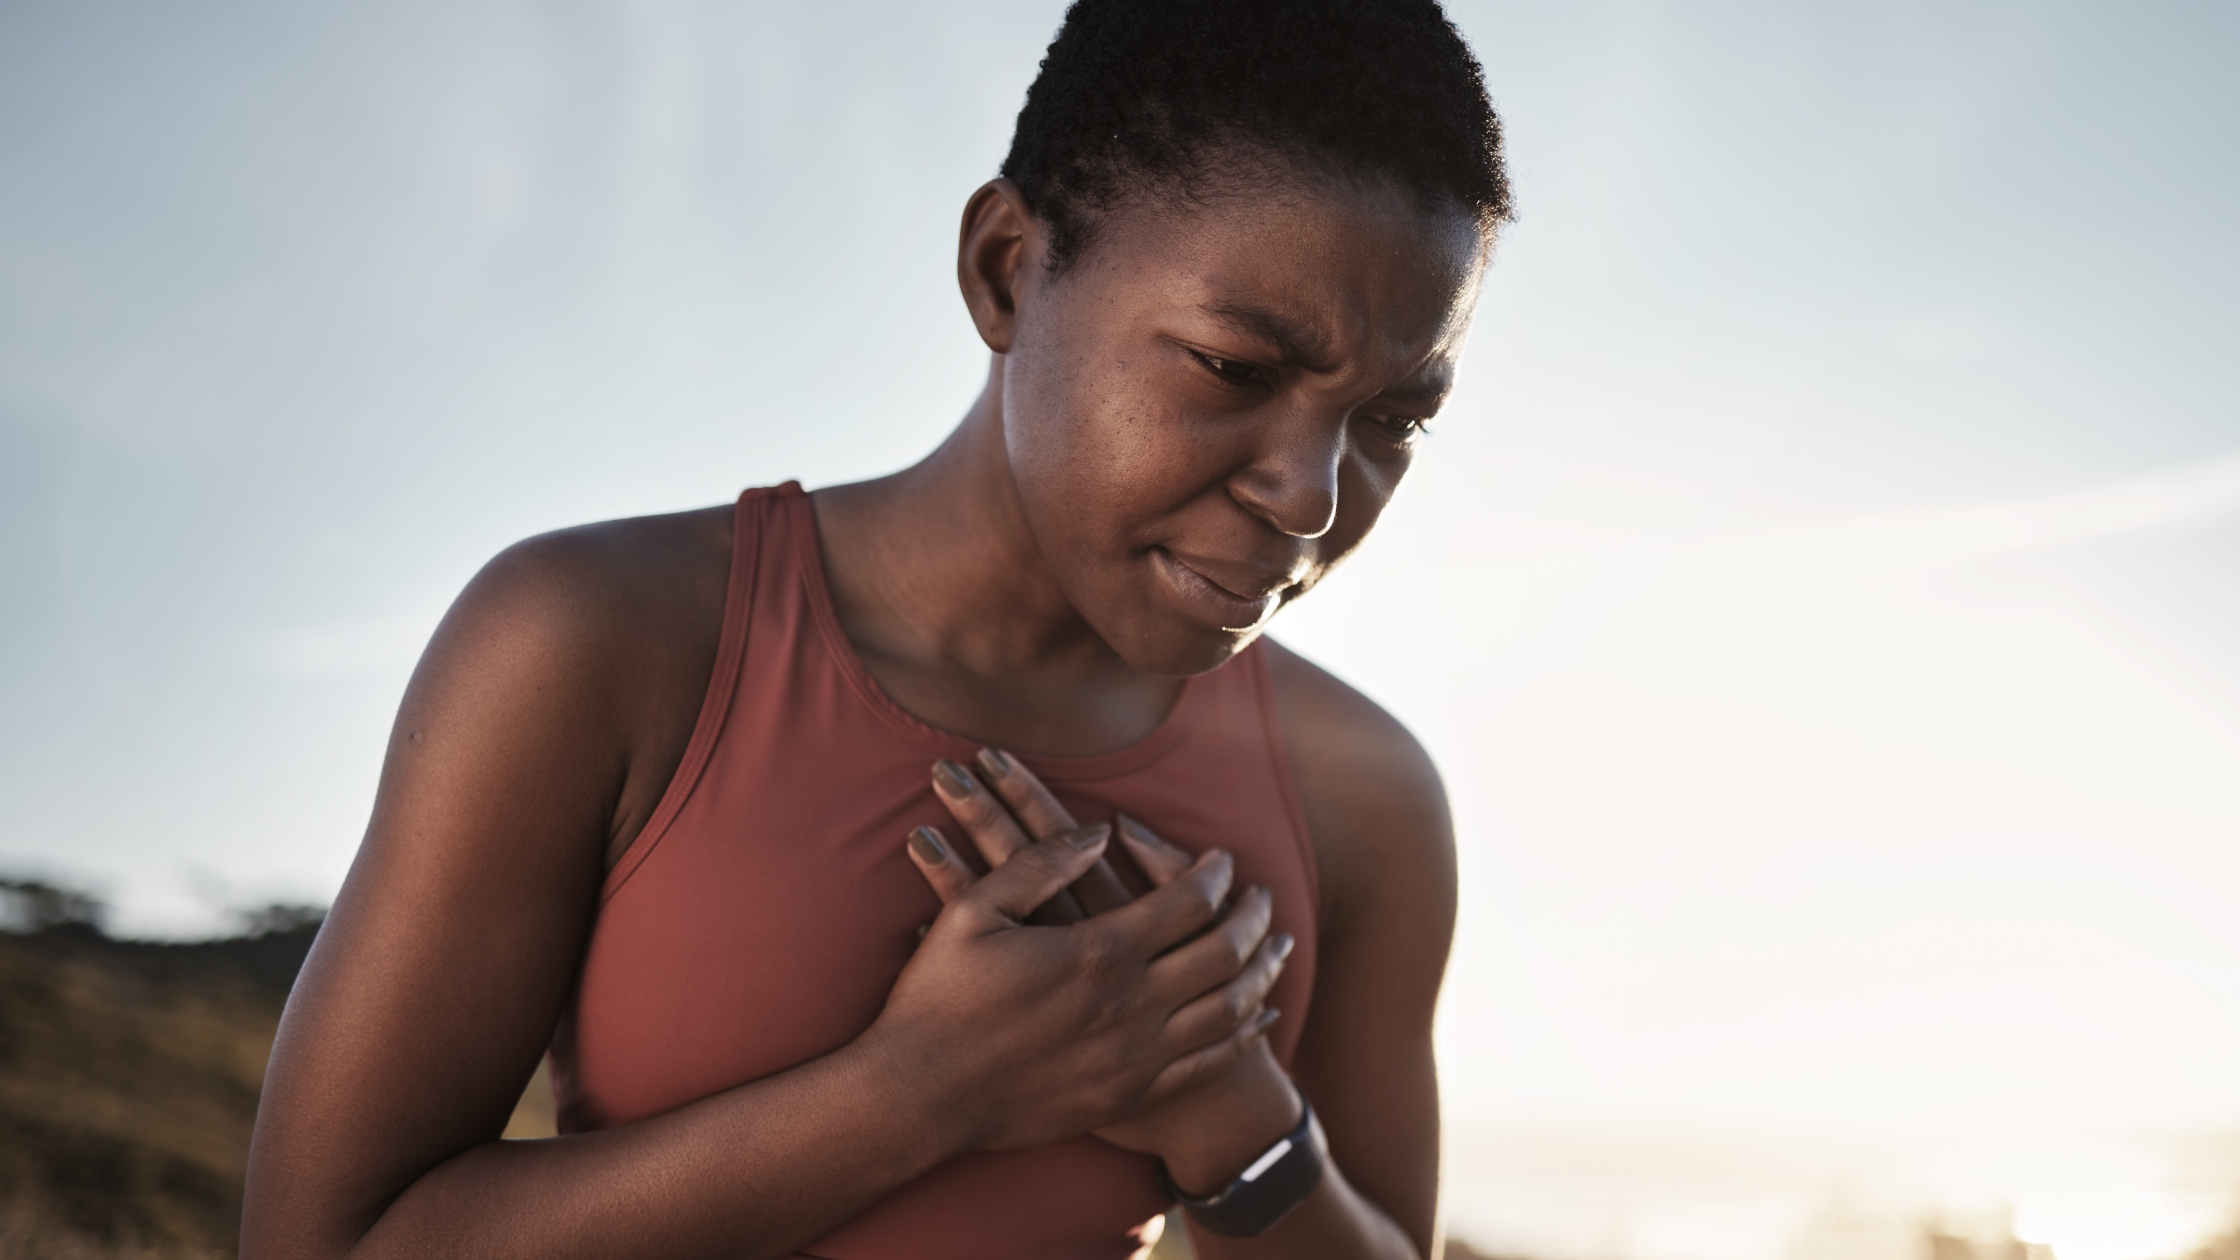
pixel 1262 1164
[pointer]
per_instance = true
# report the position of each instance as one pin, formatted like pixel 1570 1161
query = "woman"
pixel 715 806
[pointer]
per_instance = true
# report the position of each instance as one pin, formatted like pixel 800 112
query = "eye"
pixel 1403 430
pixel 1230 371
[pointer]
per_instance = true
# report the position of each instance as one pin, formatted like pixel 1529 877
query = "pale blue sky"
pixel 1823 595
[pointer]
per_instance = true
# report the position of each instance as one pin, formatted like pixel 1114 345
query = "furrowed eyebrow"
pixel 1294 341
pixel 1300 344
pixel 1431 387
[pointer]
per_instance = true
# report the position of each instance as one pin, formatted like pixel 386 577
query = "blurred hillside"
pixel 128 1076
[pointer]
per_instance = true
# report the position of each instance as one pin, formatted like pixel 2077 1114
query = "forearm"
pixel 1336 1222
pixel 757 1171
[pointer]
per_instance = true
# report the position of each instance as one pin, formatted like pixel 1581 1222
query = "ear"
pixel 997 244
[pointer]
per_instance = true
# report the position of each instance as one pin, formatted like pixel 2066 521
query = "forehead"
pixel 1332 271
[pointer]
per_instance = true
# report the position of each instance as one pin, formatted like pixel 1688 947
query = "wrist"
pixel 1269 1189
pixel 1232 1127
pixel 913 1090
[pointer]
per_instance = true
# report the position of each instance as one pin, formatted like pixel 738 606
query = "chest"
pixel 765 922
pixel 768 908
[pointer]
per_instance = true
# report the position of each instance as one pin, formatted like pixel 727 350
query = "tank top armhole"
pixel 1279 760
pixel 715 706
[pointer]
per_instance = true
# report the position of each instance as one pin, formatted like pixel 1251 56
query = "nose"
pixel 1292 481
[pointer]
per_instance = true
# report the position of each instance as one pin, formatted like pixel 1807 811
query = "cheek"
pixel 1372 478
pixel 1101 452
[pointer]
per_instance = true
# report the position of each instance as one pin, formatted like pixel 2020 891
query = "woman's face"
pixel 1213 404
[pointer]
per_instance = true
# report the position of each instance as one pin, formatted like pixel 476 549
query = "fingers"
pixel 1100 890
pixel 1163 862
pixel 929 852
pixel 1036 874
pixel 1213 959
pixel 984 819
pixel 1165 916
pixel 949 876
pixel 1230 1007
pixel 1039 811
pixel 1200 1066
pixel 994 832
pixel 1019 787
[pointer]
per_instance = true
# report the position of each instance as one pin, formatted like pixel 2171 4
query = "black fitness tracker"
pixel 1265 1192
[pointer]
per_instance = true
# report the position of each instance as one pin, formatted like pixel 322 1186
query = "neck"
pixel 934 569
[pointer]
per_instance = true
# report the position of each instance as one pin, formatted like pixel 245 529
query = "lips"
pixel 1233 597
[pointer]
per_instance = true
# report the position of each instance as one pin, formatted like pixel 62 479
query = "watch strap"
pixel 1269 1187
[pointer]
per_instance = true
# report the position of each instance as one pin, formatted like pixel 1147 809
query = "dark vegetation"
pixel 129 1073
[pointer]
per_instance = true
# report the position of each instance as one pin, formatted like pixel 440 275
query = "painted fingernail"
pixel 995 761
pixel 951 778
pixel 1136 829
pixel 1086 837
pixel 1283 942
pixel 926 843
pixel 1267 1019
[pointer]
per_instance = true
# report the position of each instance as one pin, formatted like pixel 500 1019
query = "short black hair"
pixel 1135 96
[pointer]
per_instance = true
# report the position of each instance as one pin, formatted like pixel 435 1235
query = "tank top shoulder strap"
pixel 1259 678
pixel 750 518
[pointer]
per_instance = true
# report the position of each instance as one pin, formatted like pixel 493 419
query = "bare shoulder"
pixel 600 580
pixel 1374 803
pixel 572 603
pixel 588 648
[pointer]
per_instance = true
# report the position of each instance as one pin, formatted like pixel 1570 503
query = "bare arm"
pixel 1378 816
pixel 520 756
pixel 438 977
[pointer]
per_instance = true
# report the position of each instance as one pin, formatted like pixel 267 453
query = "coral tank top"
pixel 763 914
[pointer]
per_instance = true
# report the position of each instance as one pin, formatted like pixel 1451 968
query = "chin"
pixel 1180 651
